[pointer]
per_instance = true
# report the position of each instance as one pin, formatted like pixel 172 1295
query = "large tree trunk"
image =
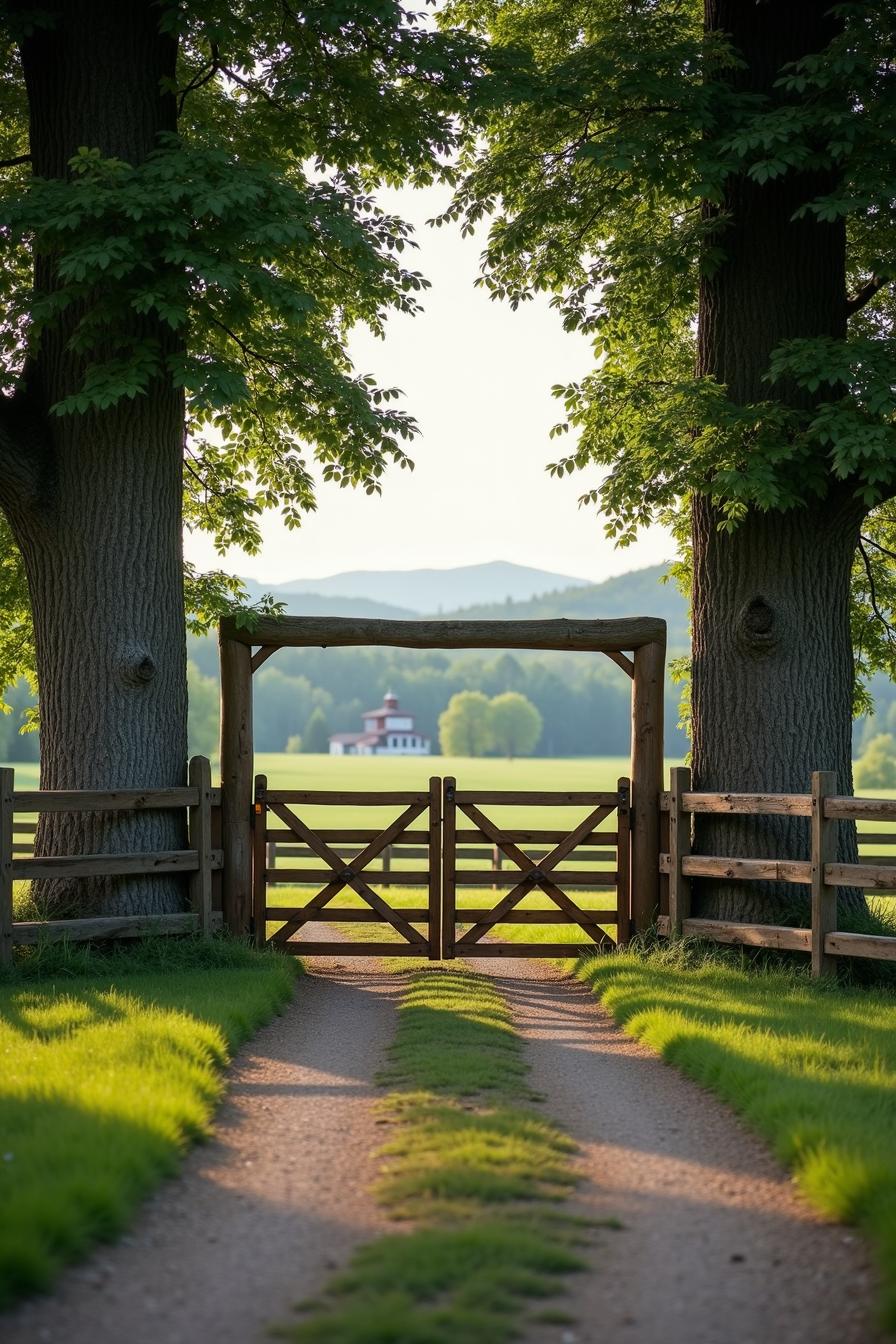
pixel 771 686
pixel 772 675
pixel 96 504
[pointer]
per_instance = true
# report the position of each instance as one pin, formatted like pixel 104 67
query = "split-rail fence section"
pixel 447 834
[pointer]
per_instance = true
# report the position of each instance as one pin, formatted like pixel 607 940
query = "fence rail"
pixel 821 871
pixel 200 861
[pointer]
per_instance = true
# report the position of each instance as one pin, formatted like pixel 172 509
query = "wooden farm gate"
pixel 426 829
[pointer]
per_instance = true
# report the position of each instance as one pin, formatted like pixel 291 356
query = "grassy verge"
pixel 811 1066
pixel 111 1066
pixel 477 1169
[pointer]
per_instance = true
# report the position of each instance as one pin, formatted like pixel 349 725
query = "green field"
pixel 582 774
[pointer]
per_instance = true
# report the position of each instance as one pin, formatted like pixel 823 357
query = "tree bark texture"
pixel 94 500
pixel 772 679
pixel 772 658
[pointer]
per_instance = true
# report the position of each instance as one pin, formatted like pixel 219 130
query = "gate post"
pixel 236 782
pixel 259 854
pixel 647 781
pixel 449 822
pixel 435 868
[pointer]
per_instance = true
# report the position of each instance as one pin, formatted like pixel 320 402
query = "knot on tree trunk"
pixel 758 630
pixel 136 667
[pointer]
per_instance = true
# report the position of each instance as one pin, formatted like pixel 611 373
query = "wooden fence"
pixel 201 862
pixel 824 809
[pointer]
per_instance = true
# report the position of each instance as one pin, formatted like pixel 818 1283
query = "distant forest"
pixel 582 698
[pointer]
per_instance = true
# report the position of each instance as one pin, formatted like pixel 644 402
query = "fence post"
pixel 679 848
pixel 497 862
pixel 259 851
pixel 623 863
pixel 824 851
pixel 200 831
pixel 7 786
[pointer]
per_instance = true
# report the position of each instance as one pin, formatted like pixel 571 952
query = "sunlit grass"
pixel 105 1080
pixel 811 1066
pixel 476 1166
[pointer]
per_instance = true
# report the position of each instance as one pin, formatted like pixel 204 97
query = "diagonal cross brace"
pixel 345 875
pixel 532 870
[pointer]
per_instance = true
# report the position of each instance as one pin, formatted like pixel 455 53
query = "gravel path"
pixel 716 1245
pixel 262 1215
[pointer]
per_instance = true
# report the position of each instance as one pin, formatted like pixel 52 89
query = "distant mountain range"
pixel 482 592
pixel 429 590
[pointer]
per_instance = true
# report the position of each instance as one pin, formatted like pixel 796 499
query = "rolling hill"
pixel 422 591
pixel 641 592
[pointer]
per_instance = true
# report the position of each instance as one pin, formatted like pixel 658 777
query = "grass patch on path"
pixel 105 1080
pixel 475 1166
pixel 810 1065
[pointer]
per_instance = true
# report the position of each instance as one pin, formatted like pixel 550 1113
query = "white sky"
pixel 477 377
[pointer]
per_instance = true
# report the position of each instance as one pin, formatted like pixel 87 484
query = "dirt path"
pixel 716 1248
pixel 263 1214
pixel 716 1245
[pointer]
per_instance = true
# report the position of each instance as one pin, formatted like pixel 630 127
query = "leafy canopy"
pixel 597 177
pixel 626 121
pixel 236 259
pixel 465 727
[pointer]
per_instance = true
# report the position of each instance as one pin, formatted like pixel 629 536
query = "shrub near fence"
pixel 201 861
pixel 821 871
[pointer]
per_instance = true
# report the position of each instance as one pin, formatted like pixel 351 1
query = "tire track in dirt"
pixel 717 1246
pixel 261 1216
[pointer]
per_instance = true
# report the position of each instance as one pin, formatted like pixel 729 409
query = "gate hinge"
pixel 449 793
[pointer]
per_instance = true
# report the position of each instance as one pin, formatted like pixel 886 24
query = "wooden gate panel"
pixel 340 873
pixel 542 873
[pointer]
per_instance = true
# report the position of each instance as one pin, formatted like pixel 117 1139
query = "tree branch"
pixel 866 293
pixel 869 541
pixel 16 162
pixel 207 73
pixel 872 593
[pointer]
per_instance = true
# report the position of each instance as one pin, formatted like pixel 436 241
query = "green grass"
pixel 810 1065
pixel 105 1080
pixel 475 1165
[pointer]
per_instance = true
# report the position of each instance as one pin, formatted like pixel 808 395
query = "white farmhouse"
pixel 388 731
